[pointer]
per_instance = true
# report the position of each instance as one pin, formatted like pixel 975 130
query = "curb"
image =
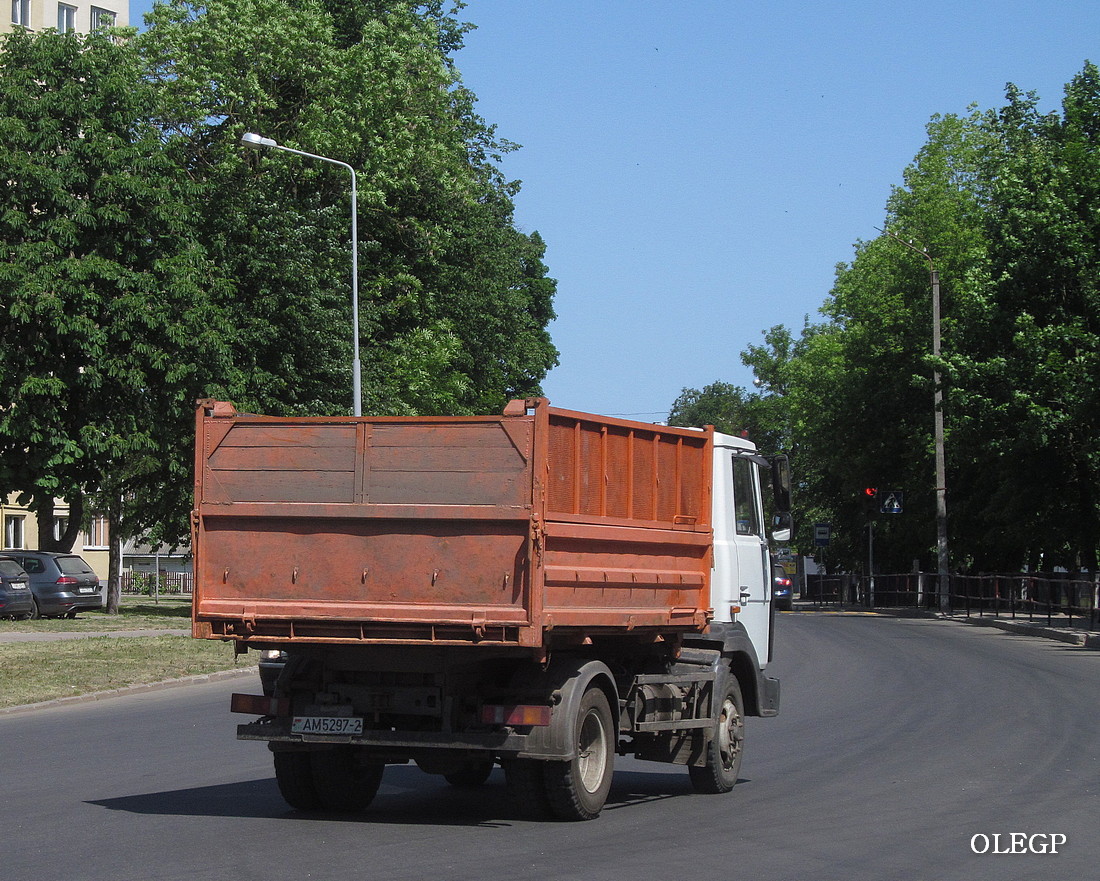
pixel 197 679
pixel 1071 637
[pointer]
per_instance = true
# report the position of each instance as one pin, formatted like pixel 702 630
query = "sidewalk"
pixel 1071 635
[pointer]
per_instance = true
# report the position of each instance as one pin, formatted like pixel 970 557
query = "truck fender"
pixel 760 692
pixel 564 684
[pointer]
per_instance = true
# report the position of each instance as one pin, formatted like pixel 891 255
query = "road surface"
pixel 901 743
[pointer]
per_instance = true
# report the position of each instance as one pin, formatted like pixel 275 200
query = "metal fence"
pixel 154 584
pixel 1053 599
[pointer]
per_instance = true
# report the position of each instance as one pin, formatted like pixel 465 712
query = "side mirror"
pixel 781 483
pixel 782 527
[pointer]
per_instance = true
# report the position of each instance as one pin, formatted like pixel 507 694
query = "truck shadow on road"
pixel 407 796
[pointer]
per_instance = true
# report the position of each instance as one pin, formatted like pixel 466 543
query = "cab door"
pixel 751 551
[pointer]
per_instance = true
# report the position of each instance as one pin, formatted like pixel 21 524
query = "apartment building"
pixel 20 527
pixel 39 15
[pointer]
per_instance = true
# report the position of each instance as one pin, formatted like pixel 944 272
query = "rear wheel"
pixel 343 780
pixel 726 747
pixel 294 775
pixel 527 788
pixel 578 788
pixel 34 612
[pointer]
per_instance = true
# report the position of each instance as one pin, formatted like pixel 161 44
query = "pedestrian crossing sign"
pixel 893 501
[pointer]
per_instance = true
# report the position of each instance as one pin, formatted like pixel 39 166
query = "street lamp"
pixel 257 142
pixel 941 468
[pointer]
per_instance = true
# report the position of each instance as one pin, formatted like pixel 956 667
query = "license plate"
pixel 87 590
pixel 19 585
pixel 327 725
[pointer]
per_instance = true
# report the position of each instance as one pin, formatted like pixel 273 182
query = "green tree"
pixel 720 404
pixel 1028 367
pixel 108 329
pixel 1004 205
pixel 455 300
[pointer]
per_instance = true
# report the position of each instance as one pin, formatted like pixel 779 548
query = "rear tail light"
pixel 67 579
pixel 515 715
pixel 259 705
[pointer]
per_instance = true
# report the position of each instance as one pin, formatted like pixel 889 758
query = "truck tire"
pixel 294 774
pixel 578 788
pixel 726 746
pixel 526 785
pixel 343 781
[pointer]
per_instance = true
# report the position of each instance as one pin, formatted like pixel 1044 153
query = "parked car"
pixel 16 599
pixel 783 591
pixel 61 584
pixel 272 662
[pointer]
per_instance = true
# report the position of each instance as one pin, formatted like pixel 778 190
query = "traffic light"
pixel 870 499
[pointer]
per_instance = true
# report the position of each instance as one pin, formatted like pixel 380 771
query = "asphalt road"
pixel 899 740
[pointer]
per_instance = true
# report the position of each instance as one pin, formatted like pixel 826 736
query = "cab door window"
pixel 746 512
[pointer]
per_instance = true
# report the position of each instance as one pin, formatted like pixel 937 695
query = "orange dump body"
pixel 536 527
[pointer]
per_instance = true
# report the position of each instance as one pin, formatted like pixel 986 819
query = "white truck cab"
pixel 741 579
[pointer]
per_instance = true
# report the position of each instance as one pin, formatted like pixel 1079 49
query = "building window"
pixel 102 18
pixel 60 524
pixel 13 531
pixel 21 12
pixel 66 18
pixel 97 533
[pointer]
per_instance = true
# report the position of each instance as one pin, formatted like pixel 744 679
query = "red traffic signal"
pixel 870 492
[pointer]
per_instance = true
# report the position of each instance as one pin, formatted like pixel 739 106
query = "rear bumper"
pixel 58 604
pixel 276 731
pixel 19 604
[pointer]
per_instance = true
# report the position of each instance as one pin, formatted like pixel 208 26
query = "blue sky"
pixel 698 168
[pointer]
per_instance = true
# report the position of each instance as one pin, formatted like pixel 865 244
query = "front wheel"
pixel 723 762
pixel 578 788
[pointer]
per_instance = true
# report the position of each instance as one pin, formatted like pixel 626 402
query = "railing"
pixel 1049 599
pixel 154 584
pixel 1052 599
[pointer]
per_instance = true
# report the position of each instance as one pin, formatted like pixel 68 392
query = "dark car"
pixel 783 591
pixel 272 662
pixel 16 599
pixel 62 584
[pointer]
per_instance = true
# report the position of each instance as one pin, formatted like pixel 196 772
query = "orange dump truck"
pixel 542 590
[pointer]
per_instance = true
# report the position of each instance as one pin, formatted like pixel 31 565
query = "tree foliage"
pixel 152 261
pixel 108 331
pixel 455 300
pixel 1003 203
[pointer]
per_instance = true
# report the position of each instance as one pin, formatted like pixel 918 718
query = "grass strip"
pixel 40 671
pixel 135 613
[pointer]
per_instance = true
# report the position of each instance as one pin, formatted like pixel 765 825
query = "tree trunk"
pixel 114 565
pixel 44 510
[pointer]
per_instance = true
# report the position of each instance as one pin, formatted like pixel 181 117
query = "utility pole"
pixel 943 586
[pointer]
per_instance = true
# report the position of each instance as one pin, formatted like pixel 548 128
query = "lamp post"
pixel 942 560
pixel 255 141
